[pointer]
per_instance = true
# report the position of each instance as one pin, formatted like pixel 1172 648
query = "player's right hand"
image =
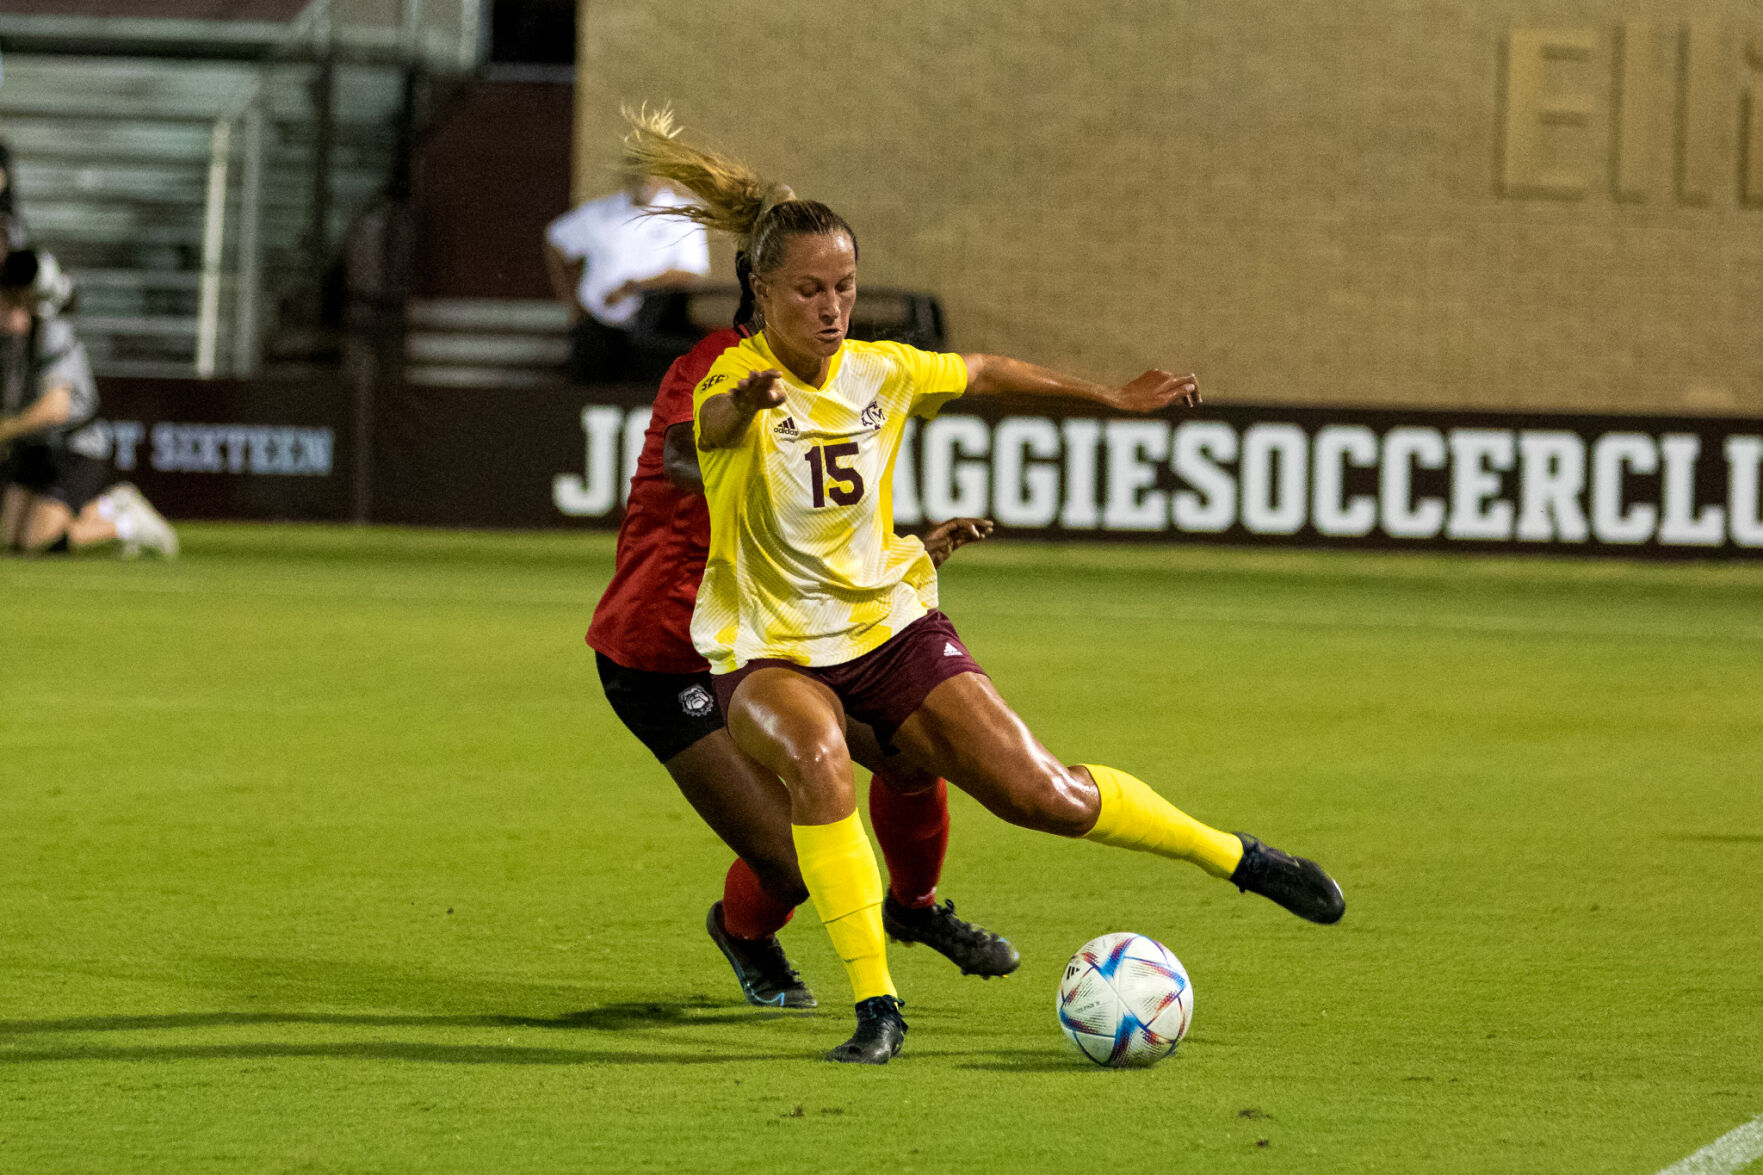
pixel 945 538
pixel 1158 389
pixel 759 391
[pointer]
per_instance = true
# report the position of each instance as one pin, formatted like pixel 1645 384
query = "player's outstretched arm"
pixel 945 538
pixel 999 375
pixel 723 418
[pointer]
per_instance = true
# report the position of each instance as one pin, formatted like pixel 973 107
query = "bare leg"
pixel 909 810
pixel 45 520
pixel 15 504
pixel 745 805
pixel 90 527
pixel 966 732
pixel 899 769
pixel 795 727
pixel 749 808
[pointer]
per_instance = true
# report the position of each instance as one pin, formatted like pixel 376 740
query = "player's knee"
pixel 1068 802
pixel 1052 800
pixel 816 761
pixel 1065 816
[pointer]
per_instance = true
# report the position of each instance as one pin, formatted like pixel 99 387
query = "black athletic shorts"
pixel 668 712
pixel 72 479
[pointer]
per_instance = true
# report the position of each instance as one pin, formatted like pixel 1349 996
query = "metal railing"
pixel 229 318
pixel 247 278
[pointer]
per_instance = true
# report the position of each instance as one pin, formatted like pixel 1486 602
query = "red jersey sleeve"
pixel 644 618
pixel 673 403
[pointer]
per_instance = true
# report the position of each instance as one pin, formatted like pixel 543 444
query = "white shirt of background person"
pixel 623 252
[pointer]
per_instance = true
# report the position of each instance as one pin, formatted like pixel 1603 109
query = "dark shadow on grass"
pixel 1041 1062
pixel 295 981
pixel 607 1018
pixel 270 989
pixel 1723 838
pixel 1012 1059
pixel 444 1054
pixel 1002 1061
pixel 1036 1060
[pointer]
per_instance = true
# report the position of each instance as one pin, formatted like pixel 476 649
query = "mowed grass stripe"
pixel 1174 612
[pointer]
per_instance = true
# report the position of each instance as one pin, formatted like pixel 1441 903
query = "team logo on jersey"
pixel 873 416
pixel 713 381
pixel 949 649
pixel 786 427
pixel 696 701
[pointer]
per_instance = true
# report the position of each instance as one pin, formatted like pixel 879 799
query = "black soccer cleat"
pixel 767 979
pixel 974 949
pixel 1297 884
pixel 881 1030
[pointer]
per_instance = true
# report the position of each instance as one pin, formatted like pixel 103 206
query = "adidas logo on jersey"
pixel 949 649
pixel 786 427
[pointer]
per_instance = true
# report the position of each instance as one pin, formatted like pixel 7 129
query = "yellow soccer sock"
pixel 1135 817
pixel 838 866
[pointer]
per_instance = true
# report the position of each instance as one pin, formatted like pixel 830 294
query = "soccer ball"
pixel 1125 1000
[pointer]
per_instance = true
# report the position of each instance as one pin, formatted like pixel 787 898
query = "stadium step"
pixel 111 155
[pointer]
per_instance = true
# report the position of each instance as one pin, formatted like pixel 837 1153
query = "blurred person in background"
pixel 603 257
pixel 56 457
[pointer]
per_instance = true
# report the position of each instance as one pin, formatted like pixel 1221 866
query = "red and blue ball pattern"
pixel 1125 1001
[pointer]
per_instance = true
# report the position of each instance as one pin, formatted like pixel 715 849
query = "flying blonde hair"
pixel 761 214
pixel 732 197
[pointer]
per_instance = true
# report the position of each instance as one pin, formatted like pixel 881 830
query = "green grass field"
pixel 320 851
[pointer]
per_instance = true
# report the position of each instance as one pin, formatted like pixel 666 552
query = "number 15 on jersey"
pixel 831 477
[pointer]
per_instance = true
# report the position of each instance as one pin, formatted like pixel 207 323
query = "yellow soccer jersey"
pixel 804 563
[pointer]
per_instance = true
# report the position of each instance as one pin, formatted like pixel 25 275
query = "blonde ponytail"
pixel 731 197
pixel 761 214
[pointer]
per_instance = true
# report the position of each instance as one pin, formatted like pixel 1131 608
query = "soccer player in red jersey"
pixel 661 689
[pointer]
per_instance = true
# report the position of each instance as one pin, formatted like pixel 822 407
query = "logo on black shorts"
pixel 949 649
pixel 696 701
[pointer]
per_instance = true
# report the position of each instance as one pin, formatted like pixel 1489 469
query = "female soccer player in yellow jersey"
pixel 812 608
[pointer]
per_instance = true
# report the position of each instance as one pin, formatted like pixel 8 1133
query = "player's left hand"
pixel 759 391
pixel 945 538
pixel 1159 389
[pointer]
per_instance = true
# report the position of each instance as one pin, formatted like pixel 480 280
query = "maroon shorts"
pixel 885 685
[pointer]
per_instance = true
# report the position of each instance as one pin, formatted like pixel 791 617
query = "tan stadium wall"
pixel 1541 205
